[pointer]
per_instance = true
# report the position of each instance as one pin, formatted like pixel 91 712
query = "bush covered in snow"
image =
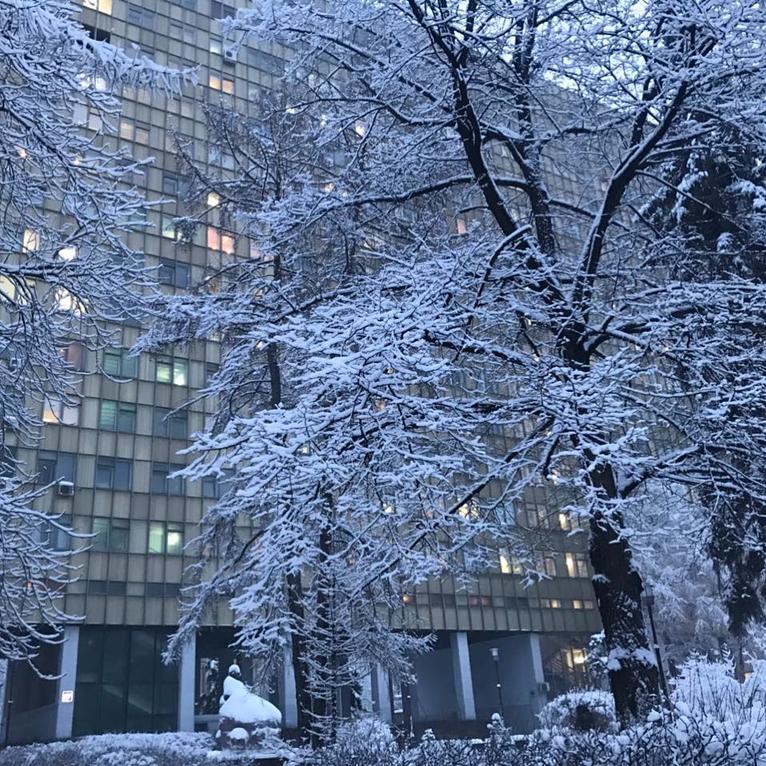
pixel 171 749
pixel 583 710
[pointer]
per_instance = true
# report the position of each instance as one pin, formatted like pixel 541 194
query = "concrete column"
pixel 187 675
pixel 381 694
pixel 461 671
pixel 288 696
pixel 65 684
pixel 540 698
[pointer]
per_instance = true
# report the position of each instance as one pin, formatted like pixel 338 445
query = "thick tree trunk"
pixel 633 674
pixel 302 693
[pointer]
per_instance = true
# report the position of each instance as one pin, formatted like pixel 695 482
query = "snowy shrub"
pixel 171 749
pixel 371 730
pixel 585 710
pixel 362 742
pixel 125 758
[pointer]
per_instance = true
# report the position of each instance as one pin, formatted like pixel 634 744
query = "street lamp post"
pixel 649 602
pixel 495 652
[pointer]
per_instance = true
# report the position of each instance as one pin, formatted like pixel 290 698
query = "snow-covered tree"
pixel 65 269
pixel 485 306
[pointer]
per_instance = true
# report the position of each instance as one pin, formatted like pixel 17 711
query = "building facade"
pixel 500 646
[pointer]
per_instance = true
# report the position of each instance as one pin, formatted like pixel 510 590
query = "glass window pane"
pixel 156 537
pixel 107 417
pixel 164 371
pixel 112 363
pixel 122 474
pixel 175 540
pixel 101 531
pixel 180 375
pixel 118 539
pixel 105 472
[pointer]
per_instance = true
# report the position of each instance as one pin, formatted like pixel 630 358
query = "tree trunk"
pixel 633 674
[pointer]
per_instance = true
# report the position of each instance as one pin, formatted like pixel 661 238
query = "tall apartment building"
pixel 498 645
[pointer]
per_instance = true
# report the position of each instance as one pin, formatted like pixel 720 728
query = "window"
pixel 548 564
pixel 106 588
pixel 171 424
pixel 102 35
pixel 58 411
pixel 175 371
pixel 139 16
pixel 110 534
pixel 577 564
pixel 174 273
pixel 161 484
pixel 113 473
pixel 103 6
pixel 166 537
pixel 173 184
pixel 74 355
pixel 163 589
pixel 30 241
pixel 132 131
pixel 220 10
pixel 55 466
pixel 119 363
pixel 210 487
pixel 550 603
pixel 183 32
pixel 479 601
pixel 117 416
pixel 221 82
pixel 55 538
pixel 222 241
pixel 510 564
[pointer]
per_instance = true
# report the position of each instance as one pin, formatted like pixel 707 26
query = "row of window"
pixel 117 474
pixel 576 564
pixel 166 538
pixel 451 600
pixel 118 588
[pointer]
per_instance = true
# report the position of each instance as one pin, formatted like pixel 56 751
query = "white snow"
pixel 245 707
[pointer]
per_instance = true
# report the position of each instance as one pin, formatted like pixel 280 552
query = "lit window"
pixel 74 355
pixel 22 152
pixel 7 288
pixel 68 253
pixel 222 83
pixel 549 565
pixel 175 371
pixel 66 301
pixel 469 510
pixel 213 200
pixel 30 241
pixel 103 6
pixel 219 240
pixel 57 411
pixel 577 564
pixel 461 226
pixel 509 564
pixel 360 129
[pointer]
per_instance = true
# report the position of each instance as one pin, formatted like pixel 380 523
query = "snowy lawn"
pixel 171 749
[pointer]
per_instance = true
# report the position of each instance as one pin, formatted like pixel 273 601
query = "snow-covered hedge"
pixel 171 749
pixel 582 710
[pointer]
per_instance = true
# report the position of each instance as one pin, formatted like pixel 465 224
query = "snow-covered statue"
pixel 246 719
